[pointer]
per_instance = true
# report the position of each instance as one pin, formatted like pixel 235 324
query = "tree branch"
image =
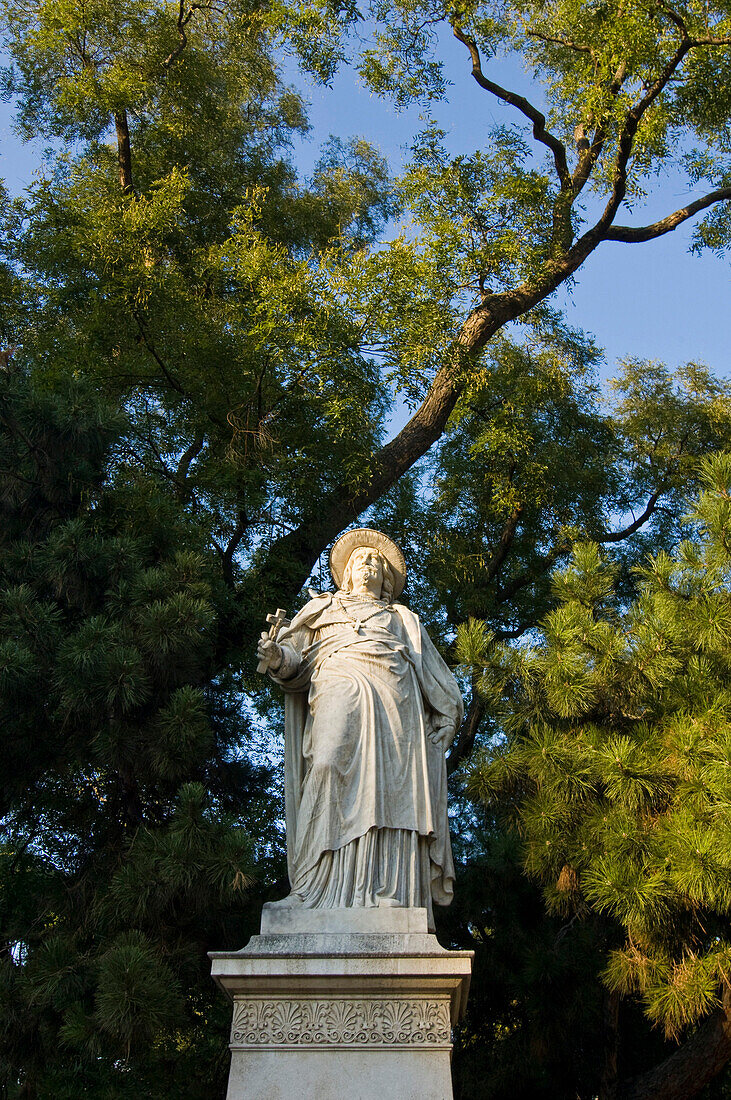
pixel 629 129
pixel 544 562
pixel 610 1013
pixel 512 635
pixel 559 269
pixel 242 525
pixel 682 26
pixel 291 557
pixel 181 472
pixel 617 536
pixel 559 42
pixel 151 348
pixel 163 465
pixel 638 234
pixel 124 151
pixel 463 745
pixel 540 133
pixel 181 24
pixel 590 151
pixel 187 457
pixel 502 549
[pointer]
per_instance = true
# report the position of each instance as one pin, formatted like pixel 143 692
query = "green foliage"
pixel 202 294
pixel 486 213
pixel 211 351
pixel 136 993
pixel 534 463
pixel 616 763
pixel 594 62
pixel 126 852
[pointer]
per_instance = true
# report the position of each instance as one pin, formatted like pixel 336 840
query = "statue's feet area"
pixel 291 916
pixel 292 901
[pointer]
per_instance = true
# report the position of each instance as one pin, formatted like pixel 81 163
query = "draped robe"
pixel 366 800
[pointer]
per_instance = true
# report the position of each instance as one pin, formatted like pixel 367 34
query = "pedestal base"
pixel 303 1075
pixel 355 1003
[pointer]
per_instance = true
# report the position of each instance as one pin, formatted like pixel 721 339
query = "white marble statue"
pixel 370 709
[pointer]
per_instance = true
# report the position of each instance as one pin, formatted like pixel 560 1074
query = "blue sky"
pixel 653 300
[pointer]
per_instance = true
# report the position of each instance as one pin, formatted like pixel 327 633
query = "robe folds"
pixel 366 788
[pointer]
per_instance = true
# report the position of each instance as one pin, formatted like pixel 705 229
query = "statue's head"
pixel 362 558
pixel 350 551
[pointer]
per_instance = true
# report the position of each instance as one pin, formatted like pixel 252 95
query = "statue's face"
pixel 366 571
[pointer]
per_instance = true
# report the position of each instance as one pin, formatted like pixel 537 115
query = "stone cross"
pixel 277 621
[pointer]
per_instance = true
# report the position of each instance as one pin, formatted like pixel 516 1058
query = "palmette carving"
pixel 343 1022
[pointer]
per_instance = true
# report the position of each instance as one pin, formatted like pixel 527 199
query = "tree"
pixel 613 782
pixel 162 269
pixel 186 290
pixel 124 849
pixel 535 460
pixel 500 230
pixel 250 330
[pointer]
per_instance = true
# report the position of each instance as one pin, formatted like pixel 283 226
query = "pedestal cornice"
pixel 383 1001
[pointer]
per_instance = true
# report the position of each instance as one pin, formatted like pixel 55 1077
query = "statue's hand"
pixel 269 652
pixel 442 732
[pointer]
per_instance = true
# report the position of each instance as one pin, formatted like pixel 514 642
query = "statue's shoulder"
pixel 407 616
pixel 314 607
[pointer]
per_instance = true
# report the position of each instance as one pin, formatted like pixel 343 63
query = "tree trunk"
pixel 608 1085
pixel 686 1072
pixel 465 740
pixel 292 557
pixel 124 151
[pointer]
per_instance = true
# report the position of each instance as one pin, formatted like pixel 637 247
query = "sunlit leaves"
pixel 617 763
pixel 675 993
pixel 484 218
pixel 204 296
pixel 79 63
pixel 400 62
pixel 595 62
pixel 637 895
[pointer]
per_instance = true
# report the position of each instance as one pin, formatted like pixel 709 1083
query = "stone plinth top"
pixel 276 920
pixel 378 962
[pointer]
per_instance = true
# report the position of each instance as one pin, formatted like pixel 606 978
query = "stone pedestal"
pixel 355 1003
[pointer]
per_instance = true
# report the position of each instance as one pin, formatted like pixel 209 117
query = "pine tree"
pixel 612 778
pixel 126 852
